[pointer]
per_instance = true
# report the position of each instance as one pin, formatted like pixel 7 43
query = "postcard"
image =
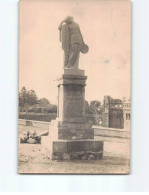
pixel 74 87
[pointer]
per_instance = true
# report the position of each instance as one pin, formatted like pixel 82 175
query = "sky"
pixel 106 29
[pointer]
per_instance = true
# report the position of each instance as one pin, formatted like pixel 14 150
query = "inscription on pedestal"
pixel 73 101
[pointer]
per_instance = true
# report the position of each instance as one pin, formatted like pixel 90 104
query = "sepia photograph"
pixel 74 87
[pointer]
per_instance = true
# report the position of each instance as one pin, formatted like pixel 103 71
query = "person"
pixel 72 40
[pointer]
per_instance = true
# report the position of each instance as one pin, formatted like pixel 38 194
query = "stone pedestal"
pixel 70 135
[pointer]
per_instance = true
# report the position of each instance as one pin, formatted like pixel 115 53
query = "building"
pixel 116 113
pixel 126 114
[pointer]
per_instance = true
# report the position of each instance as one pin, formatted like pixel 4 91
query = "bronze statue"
pixel 72 42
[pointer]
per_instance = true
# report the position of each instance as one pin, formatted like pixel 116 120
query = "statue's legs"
pixel 74 53
pixel 66 57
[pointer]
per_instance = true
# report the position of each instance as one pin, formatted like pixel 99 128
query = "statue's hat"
pixel 84 48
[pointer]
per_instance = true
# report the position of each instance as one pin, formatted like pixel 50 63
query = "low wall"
pixel 33 123
pixel 98 130
pixel 111 132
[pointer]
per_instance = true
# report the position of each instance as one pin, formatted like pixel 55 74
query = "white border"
pixel 138 180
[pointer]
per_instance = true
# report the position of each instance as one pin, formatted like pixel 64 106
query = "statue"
pixel 72 42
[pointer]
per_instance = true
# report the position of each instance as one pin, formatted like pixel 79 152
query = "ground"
pixel 35 159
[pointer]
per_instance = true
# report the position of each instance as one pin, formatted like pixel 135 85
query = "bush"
pixel 38 116
pixel 47 117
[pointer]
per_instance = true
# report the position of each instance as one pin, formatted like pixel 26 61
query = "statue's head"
pixel 69 19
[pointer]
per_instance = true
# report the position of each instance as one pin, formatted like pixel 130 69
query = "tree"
pixel 95 109
pixel 47 106
pixel 116 101
pixel 86 107
pixel 27 99
pixel 43 102
pixel 52 108
pixel 43 105
pixel 94 106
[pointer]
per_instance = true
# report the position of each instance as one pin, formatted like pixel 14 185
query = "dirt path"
pixel 34 159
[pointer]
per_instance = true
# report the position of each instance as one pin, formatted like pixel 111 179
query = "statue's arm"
pixel 60 25
pixel 65 38
pixel 60 29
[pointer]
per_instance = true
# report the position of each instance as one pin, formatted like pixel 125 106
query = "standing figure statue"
pixel 72 42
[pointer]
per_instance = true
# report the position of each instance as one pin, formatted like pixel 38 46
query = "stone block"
pixel 69 71
pixel 73 134
pixel 70 130
pixel 75 149
pixel 31 141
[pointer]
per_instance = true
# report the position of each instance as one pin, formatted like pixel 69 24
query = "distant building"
pixel 115 113
pixel 126 114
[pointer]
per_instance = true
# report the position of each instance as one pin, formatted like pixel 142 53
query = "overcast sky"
pixel 106 28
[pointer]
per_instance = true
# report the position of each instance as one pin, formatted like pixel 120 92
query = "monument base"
pixel 63 130
pixel 73 149
pixel 72 141
pixel 70 135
